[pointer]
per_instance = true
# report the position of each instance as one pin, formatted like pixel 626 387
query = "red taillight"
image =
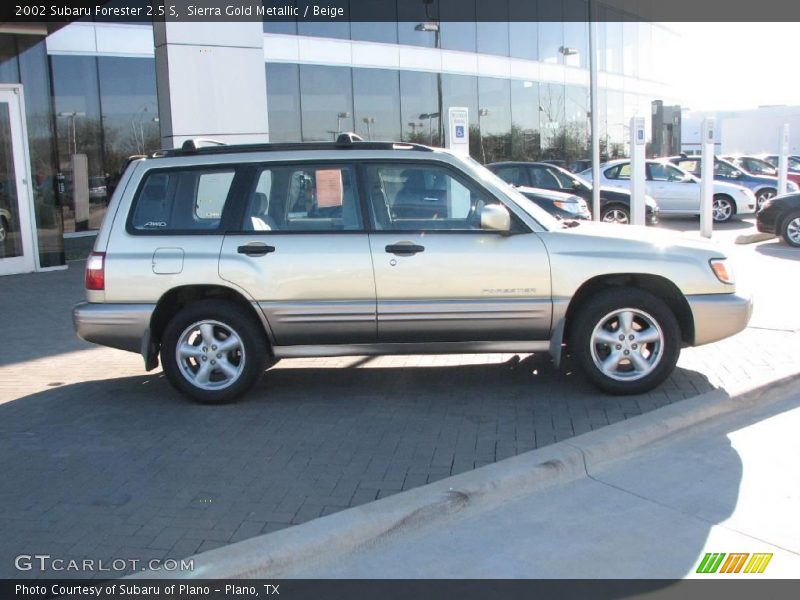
pixel 95 271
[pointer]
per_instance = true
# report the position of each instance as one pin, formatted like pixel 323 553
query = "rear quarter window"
pixel 181 200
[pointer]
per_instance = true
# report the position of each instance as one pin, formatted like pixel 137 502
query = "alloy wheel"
pixel 793 231
pixel 210 355
pixel 722 209
pixel 627 344
pixel 615 216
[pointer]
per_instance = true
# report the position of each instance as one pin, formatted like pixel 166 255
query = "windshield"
pixel 544 218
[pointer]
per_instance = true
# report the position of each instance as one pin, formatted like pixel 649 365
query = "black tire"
pixel 250 360
pixel 596 311
pixel 793 220
pixel 4 231
pixel 723 199
pixel 763 196
pixel 623 214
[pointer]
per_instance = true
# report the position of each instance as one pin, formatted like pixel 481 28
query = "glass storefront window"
pixel 409 16
pixel 493 36
pixel 551 107
pixel 420 106
pixel 9 70
pixel 523 29
pixel 374 20
pixel 283 102
pixel 376 98
pixel 462 91
pixel 494 118
pixel 285 27
pixel 617 129
pixel 35 79
pixel 79 130
pixel 577 130
pixel 130 110
pixel 576 33
pixel 458 35
pixel 612 41
pixel 327 101
pixel 551 31
pixel 526 136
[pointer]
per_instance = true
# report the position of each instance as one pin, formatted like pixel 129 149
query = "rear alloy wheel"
pixel 3 230
pixel 213 351
pixel 791 230
pixel 763 196
pixel 722 209
pixel 626 340
pixel 616 213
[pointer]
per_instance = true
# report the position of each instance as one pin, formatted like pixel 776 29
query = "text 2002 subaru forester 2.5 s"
pixel 220 259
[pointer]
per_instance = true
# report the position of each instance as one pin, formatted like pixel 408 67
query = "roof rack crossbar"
pixel 348 141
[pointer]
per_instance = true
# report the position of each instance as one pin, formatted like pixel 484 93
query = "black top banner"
pixel 21 12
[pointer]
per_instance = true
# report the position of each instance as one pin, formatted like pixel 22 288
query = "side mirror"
pixel 495 217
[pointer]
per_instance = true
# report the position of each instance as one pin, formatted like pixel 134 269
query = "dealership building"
pixel 77 100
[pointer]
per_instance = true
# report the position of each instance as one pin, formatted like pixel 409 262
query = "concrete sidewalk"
pixel 731 485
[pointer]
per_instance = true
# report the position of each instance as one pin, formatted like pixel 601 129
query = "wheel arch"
pixel 657 285
pixel 177 298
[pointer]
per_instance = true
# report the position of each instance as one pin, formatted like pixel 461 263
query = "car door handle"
pixel 255 249
pixel 404 249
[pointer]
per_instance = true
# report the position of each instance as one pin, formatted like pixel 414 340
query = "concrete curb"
pixel 274 555
pixel 751 238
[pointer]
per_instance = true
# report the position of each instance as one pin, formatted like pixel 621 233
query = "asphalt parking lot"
pixel 102 460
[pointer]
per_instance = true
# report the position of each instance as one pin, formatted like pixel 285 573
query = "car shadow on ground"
pixel 94 468
pixel 779 249
pixel 693 224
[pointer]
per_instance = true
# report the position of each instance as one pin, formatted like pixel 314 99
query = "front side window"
pixel 422 198
pixel 692 166
pixel 182 200
pixel 724 169
pixel 303 198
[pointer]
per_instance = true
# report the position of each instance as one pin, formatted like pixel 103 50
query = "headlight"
pixel 791 186
pixel 574 207
pixel 722 270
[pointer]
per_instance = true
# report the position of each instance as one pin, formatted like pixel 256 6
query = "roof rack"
pixel 345 141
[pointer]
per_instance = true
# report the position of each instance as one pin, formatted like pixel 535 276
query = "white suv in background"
pixel 677 191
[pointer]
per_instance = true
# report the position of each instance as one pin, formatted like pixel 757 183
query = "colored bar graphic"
pixel 758 563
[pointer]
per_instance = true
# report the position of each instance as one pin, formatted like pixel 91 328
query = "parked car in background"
pixel 763 186
pixel 615 204
pixel 677 191
pixel 220 260
pixel 558 204
pixel 781 216
pixel 758 166
pixel 794 161
pixel 5 225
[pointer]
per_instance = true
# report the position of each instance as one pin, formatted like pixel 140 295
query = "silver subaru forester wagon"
pixel 222 259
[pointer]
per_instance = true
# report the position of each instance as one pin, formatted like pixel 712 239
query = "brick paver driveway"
pixel 101 460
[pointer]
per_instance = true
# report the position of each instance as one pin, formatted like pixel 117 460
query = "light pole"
pixel 594 121
pixel 339 117
pixel 482 112
pixel 430 117
pixel 368 121
pixel 71 126
pixel 434 27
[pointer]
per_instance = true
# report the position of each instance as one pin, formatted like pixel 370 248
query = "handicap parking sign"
pixel 459 131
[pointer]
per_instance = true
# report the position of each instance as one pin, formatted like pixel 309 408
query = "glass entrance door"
pixel 16 239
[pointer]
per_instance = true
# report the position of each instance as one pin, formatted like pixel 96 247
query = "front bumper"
pixel 122 326
pixel 717 316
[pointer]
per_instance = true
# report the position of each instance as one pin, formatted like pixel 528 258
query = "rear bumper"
pixel 122 326
pixel 717 316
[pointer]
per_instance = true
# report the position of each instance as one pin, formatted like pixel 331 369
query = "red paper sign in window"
pixel 329 188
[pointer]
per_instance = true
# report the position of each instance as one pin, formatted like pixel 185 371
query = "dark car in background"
pixel 781 216
pixel 559 204
pixel 615 204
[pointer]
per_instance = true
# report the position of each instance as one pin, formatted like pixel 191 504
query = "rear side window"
pixel 181 200
pixel 622 171
pixel 303 198
pixel 512 175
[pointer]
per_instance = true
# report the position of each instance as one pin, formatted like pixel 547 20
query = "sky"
pixel 729 66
